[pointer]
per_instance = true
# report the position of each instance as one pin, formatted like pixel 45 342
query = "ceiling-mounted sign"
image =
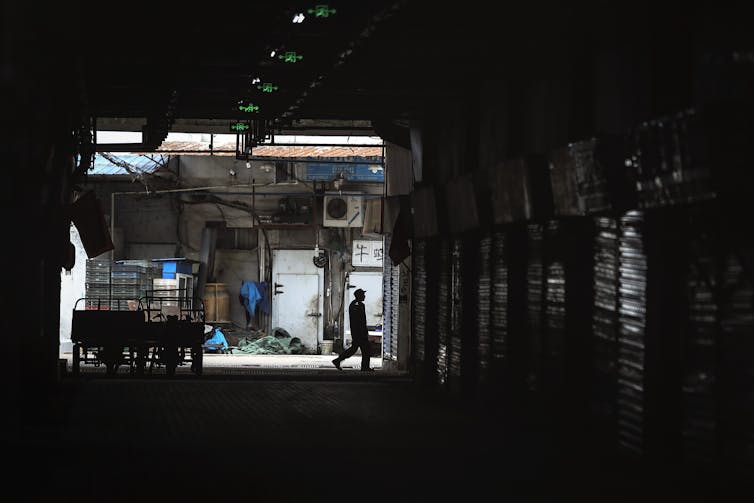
pixel 267 87
pixel 290 57
pixel 366 253
pixel 238 127
pixel 322 10
pixel 251 107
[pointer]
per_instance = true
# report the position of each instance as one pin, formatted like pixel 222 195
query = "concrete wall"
pixel 232 267
pixel 149 225
pixel 171 224
pixel 146 225
pixel 72 288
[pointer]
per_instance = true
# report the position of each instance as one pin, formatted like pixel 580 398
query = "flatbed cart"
pixel 141 338
pixel 174 330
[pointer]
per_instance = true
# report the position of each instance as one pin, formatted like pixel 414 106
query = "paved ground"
pixel 227 364
pixel 317 437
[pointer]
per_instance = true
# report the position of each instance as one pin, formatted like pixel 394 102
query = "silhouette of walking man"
pixel 359 334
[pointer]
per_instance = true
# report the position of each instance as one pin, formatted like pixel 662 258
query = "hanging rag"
pixel 264 300
pixel 250 295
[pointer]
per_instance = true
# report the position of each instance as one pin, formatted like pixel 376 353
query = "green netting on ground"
pixel 279 342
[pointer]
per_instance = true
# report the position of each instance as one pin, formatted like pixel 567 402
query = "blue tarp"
pixel 217 338
pixel 253 294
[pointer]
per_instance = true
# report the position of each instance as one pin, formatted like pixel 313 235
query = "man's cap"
pixel 357 292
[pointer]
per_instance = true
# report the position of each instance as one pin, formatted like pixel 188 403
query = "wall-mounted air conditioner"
pixel 343 210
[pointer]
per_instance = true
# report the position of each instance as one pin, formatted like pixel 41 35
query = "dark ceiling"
pixel 200 62
pixel 376 60
pixel 379 61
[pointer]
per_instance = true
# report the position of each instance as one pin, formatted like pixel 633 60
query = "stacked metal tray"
pixel 699 401
pixel 390 306
pixel 591 177
pixel 535 288
pixel 456 308
pixel 667 156
pixel 554 333
pixel 419 298
pixel 604 341
pixel 737 325
pixel 484 296
pixel 443 312
pixel 499 305
pixel 632 302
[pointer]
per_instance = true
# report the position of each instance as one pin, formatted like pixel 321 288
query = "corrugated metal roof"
pixel 139 163
pixel 330 151
pixel 339 151
pixel 178 146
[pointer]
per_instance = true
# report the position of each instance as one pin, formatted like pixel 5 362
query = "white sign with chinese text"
pixel 366 253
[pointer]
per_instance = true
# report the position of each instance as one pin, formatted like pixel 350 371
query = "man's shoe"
pixel 336 362
pixel 368 369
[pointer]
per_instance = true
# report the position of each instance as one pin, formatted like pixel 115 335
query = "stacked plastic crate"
pixel 130 282
pixel 632 300
pixel 604 342
pixel 97 284
pixel 484 293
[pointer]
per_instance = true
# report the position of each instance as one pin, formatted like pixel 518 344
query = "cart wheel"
pixel 76 359
pixel 169 357
pixel 141 360
pixel 196 359
pixel 110 359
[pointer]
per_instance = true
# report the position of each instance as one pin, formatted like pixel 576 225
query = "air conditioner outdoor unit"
pixel 343 211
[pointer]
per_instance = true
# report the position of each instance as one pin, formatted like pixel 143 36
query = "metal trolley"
pixel 164 328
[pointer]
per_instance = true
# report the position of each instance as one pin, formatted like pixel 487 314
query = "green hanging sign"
pixel 251 107
pixel 267 87
pixel 321 11
pixel 290 57
pixel 239 127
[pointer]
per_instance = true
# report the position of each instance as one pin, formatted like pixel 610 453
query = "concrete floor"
pixel 247 364
pixel 321 435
